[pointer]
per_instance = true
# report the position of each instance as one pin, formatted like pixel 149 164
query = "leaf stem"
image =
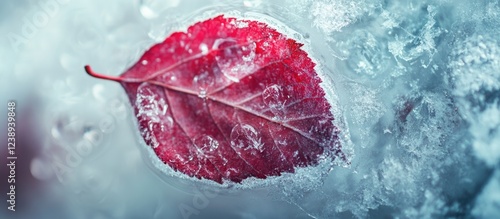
pixel 91 72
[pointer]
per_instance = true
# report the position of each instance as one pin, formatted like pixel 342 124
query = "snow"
pixel 415 85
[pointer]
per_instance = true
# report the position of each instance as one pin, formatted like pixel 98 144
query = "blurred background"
pixel 417 87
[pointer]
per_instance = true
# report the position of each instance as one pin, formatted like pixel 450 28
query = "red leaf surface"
pixel 231 99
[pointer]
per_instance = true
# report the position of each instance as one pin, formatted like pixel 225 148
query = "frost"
pixel 486 132
pixel 366 56
pixel 418 83
pixel 332 16
pixel 413 39
pixel 476 65
pixel 148 105
pixel 475 78
pixel 153 109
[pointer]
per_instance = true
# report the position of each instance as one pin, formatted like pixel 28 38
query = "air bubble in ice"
pixel 274 99
pixel 206 144
pixel 245 136
pixel 235 61
pixel 202 82
pixel 202 93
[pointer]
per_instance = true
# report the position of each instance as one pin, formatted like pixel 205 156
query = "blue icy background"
pixel 418 83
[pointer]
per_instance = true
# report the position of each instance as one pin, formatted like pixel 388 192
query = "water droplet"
pixel 245 136
pixel 144 62
pixel 204 49
pixel 206 144
pixel 236 61
pixel 202 93
pixel 203 82
pixel 273 97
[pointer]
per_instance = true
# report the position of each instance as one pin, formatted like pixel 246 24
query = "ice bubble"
pixel 245 136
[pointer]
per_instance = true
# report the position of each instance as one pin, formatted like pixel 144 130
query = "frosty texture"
pixel 231 99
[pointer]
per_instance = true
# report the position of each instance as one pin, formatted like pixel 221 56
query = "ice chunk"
pixel 415 41
pixel 475 65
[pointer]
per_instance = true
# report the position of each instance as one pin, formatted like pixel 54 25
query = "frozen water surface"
pixel 416 85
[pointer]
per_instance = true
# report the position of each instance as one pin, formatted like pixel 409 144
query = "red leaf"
pixel 231 99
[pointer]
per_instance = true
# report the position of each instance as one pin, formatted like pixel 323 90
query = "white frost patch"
pixel 486 131
pixel 477 65
pixel 475 77
pixel 153 111
pixel 331 16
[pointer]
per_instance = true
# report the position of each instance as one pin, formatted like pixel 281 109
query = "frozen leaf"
pixel 231 99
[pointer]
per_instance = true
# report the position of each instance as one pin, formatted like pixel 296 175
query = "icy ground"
pixel 418 85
